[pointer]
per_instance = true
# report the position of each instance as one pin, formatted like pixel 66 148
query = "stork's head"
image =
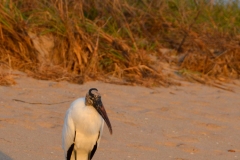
pixel 93 98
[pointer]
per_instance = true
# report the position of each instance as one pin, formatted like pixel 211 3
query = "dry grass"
pixel 6 79
pixel 6 76
pixel 226 64
pixel 102 39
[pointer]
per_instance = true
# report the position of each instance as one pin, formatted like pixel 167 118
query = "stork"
pixel 83 126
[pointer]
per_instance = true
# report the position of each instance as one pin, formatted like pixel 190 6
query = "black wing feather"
pixel 94 148
pixel 70 149
pixel 69 152
pixel 93 151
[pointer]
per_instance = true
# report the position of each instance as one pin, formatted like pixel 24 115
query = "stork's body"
pixel 83 126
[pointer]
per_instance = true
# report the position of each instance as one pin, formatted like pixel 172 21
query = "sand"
pixel 188 122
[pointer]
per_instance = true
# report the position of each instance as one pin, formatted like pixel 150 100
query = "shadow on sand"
pixel 4 156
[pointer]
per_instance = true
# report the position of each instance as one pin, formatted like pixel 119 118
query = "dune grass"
pixel 108 39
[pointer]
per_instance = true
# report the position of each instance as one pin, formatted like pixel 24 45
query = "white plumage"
pixel 83 126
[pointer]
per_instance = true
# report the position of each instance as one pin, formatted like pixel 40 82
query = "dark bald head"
pixel 90 91
pixel 92 96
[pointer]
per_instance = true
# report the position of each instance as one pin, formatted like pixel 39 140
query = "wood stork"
pixel 83 126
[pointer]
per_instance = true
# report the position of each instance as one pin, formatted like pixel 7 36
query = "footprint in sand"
pixel 182 146
pixel 209 125
pixel 185 139
pixel 142 147
pixel 46 125
pixel 187 148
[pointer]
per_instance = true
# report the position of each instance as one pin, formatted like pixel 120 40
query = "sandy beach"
pixel 187 122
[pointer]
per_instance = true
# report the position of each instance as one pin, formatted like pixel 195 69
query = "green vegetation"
pixel 100 39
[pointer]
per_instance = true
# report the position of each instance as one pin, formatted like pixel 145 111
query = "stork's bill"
pixel 94 98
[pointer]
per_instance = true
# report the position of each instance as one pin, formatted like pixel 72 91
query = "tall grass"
pixel 98 39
